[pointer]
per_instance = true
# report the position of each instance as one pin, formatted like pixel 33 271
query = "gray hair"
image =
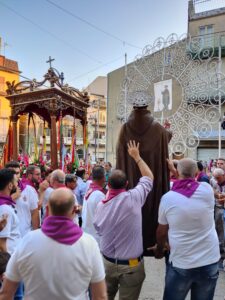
pixel 218 172
pixel 58 175
pixel 187 168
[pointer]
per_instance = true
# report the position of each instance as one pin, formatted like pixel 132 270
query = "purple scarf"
pixel 21 185
pixel 26 182
pixel 7 200
pixel 185 187
pixel 93 187
pixel 112 193
pixel 61 229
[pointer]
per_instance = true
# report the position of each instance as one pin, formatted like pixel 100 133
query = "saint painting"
pixel 163 96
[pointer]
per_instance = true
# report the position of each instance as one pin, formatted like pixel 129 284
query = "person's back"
pixel 58 261
pixel 118 221
pixel 186 224
pixel 192 232
pixel 93 196
pixel 88 212
pixel 154 140
pixel 125 219
pixel 73 267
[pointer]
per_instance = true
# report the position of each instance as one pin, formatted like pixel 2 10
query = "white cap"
pixel 139 99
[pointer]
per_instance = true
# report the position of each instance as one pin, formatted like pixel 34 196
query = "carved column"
pixel 53 108
pixel 14 120
pixel 54 154
pixel 85 134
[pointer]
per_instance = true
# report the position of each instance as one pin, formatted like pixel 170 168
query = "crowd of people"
pixel 66 236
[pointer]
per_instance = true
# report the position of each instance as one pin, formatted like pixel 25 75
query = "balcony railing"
pixel 207 45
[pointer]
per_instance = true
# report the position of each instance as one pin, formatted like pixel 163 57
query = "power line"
pixel 50 33
pixel 92 25
pixel 86 73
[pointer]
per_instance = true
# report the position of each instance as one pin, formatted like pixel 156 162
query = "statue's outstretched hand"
pixel 133 150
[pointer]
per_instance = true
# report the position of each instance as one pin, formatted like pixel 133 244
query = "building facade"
pixel 9 71
pixel 97 118
pixel 206 30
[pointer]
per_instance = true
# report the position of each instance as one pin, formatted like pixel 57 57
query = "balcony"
pixel 100 142
pixel 207 45
pixel 67 140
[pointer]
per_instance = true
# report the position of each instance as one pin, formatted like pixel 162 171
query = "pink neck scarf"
pixel 26 182
pixel 112 193
pixel 61 229
pixel 93 187
pixel 7 200
pixel 185 187
pixel 21 185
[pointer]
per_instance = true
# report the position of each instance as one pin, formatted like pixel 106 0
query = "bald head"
pixel 61 202
pixel 187 168
pixel 117 179
pixel 57 178
pixel 218 172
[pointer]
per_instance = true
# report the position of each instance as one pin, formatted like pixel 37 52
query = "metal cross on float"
pixel 50 61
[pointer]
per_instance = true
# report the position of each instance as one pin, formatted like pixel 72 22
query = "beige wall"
pixel 115 80
pixel 218 23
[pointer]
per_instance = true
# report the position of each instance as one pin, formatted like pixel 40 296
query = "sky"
pixel 87 38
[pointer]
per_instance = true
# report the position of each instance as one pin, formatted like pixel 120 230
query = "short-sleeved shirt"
pixel 80 190
pixel 11 231
pixel 75 267
pixel 88 213
pixel 217 188
pixel 192 236
pixel 25 204
pixel 119 222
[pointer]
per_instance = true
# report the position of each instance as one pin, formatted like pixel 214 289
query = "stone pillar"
pixel 14 120
pixel 23 140
pixel 54 154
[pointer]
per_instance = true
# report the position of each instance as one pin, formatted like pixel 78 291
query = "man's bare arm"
pixel 162 238
pixel 3 245
pixel 35 220
pixel 8 289
pixel 98 291
pixel 133 150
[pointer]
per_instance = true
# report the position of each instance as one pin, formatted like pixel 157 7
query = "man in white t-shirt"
pixel 186 221
pixel 26 199
pixel 94 195
pixel 81 187
pixel 10 234
pixel 58 261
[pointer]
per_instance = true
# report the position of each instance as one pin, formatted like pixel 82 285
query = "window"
pixel 70 132
pixel 2 83
pixel 207 29
pixel 102 117
pixel 206 36
pixel 101 134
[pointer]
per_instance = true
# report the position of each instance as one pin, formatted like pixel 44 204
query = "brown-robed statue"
pixel 153 139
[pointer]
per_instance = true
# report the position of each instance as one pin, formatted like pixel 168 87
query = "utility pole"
pixel 219 94
pixel 98 107
pixel 95 120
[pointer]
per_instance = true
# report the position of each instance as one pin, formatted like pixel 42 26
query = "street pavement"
pixel 154 283
pixel 153 286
